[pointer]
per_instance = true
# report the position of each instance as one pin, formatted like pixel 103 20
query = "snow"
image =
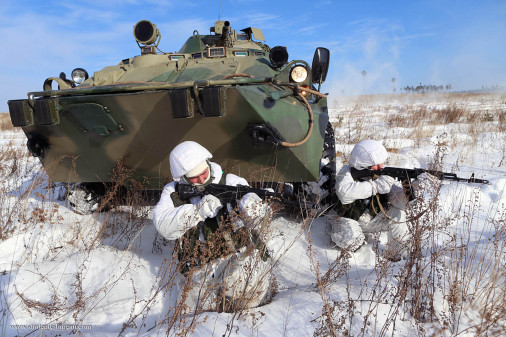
pixel 100 272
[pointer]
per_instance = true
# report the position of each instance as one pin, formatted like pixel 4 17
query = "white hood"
pixel 368 153
pixel 185 157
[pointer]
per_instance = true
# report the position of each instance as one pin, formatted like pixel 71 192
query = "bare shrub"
pixel 449 114
pixel 475 275
pixel 5 122
pixel 444 263
pixel 502 120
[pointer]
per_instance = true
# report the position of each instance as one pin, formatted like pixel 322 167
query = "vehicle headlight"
pixel 79 75
pixel 298 74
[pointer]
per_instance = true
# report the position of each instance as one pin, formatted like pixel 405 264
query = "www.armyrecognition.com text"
pixel 52 327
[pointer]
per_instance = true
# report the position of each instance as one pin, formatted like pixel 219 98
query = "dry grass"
pixel 418 117
pixel 5 122
pixel 442 266
pixel 444 269
pixel 38 206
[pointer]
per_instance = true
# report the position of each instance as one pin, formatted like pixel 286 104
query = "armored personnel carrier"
pixel 261 115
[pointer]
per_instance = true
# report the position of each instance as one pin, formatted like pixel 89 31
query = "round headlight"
pixel 79 75
pixel 298 74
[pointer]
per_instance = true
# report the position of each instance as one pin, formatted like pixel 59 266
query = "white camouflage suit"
pixel 347 233
pixel 243 276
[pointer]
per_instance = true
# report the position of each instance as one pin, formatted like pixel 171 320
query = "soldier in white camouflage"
pixel 223 260
pixel 369 205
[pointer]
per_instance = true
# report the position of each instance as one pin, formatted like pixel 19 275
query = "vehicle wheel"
pixel 328 168
pixel 86 198
pixel 322 193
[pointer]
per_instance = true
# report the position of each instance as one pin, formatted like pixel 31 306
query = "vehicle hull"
pixel 105 137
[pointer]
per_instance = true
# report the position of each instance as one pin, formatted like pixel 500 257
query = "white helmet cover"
pixel 186 157
pixel 368 153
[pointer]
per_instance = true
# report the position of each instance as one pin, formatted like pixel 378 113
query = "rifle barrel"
pixel 406 174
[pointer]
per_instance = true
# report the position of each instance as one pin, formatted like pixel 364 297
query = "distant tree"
pixel 364 74
pixel 393 84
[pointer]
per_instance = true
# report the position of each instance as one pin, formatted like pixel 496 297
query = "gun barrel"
pixel 476 180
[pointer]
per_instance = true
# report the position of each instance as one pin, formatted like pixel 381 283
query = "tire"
pixel 322 194
pixel 86 198
pixel 328 170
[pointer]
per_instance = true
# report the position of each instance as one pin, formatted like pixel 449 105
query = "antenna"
pixel 219 10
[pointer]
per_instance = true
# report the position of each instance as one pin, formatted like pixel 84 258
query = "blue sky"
pixel 462 43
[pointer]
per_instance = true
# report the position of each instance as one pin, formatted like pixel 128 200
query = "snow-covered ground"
pixel 67 274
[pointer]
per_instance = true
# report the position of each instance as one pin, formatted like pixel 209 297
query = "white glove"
pixel 209 206
pixel 251 205
pixel 382 185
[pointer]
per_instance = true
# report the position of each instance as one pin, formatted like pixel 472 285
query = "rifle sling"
pixel 413 218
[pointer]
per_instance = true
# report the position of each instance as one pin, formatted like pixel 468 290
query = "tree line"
pixel 427 88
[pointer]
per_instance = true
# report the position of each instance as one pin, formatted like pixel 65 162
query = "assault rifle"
pixel 229 194
pixel 404 174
